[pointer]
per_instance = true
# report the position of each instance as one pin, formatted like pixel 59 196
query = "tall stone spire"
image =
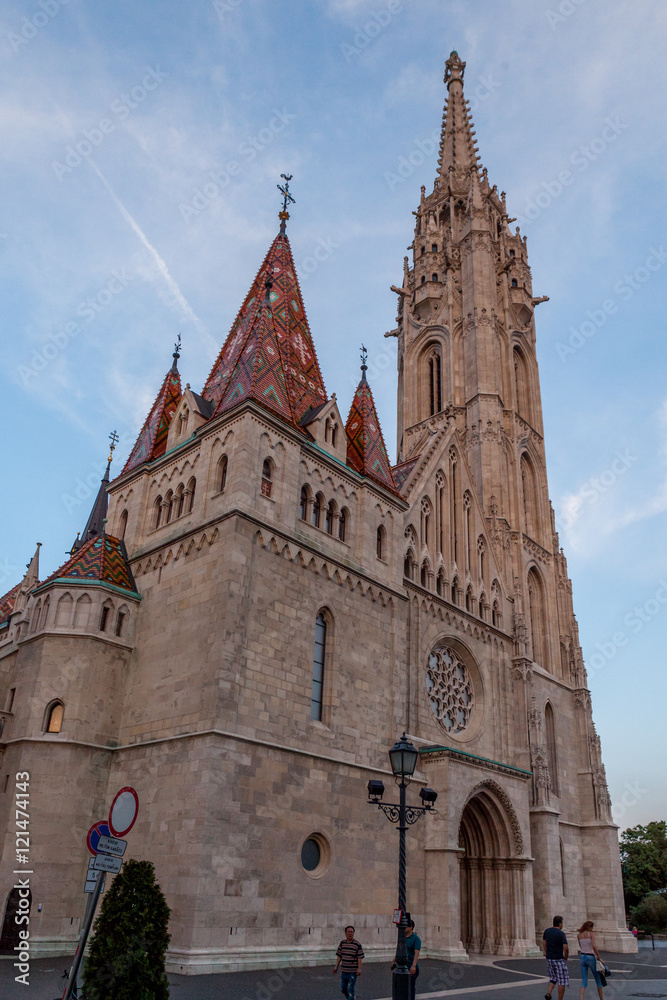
pixel 97 518
pixel 457 145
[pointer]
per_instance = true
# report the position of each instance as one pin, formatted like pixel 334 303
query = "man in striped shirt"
pixel 349 955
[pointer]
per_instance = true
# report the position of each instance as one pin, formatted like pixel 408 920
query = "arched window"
pixel 467 515
pixel 435 378
pixel 222 473
pixel 483 605
pixel 122 525
pixel 514 283
pixel 481 553
pixel 168 506
pixel 552 757
pixel 434 277
pixel 440 583
pixel 36 616
pixel 120 620
pixel 529 492
pixel 453 506
pixel 469 599
pixel 267 477
pixel 521 385
pixel 434 247
pixel 329 517
pixel 380 542
pixel 319 654
pixel 334 434
pixel 423 279
pixel 455 591
pixel 157 508
pixel 425 573
pixel 54 717
pixel 178 501
pixel 495 615
pixel 82 611
pixel 190 491
pixel 327 429
pixel 440 510
pixel 64 610
pixel 408 564
pixel 318 503
pixel 426 521
pixel 303 503
pixel 44 617
pixel 538 630
pixel 104 617
pixel 343 523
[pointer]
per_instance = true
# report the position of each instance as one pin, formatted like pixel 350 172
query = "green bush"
pixel 650 915
pixel 127 953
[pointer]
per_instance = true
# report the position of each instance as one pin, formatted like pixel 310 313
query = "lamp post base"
pixel 400 983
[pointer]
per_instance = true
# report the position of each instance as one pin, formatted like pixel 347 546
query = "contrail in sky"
pixel 184 305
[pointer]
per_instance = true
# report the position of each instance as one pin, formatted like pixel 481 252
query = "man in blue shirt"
pixel 413 946
pixel 556 951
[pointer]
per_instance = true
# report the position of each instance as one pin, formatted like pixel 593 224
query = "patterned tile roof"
pixel 102 558
pixel 152 441
pixel 402 472
pixel 7 603
pixel 269 354
pixel 366 450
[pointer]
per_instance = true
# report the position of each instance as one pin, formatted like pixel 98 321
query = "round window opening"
pixel 450 691
pixel 315 855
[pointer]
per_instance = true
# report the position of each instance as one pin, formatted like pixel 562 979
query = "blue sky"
pixel 186 115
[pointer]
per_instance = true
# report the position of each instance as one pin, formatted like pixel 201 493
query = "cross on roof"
pixel 284 190
pixel 113 437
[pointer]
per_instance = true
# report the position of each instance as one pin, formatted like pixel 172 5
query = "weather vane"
pixel 287 199
pixel 177 346
pixel 364 359
pixel 113 437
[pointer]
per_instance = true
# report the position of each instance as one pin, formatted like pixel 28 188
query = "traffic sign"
pixel 123 812
pixel 91 879
pixel 96 831
pixel 105 863
pixel 111 845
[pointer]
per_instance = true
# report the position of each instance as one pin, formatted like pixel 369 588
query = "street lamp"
pixel 403 756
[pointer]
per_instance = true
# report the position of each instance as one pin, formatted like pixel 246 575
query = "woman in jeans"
pixel 588 955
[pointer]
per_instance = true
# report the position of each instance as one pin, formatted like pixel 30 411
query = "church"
pixel 261 603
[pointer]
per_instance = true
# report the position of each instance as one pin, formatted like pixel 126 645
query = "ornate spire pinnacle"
pixel 366 451
pixel 176 355
pixel 458 152
pixel 364 366
pixel 287 198
pixel 98 515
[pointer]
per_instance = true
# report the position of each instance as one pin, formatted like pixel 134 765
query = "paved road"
pixel 642 975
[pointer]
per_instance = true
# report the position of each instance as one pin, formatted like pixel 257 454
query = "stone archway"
pixel 491 871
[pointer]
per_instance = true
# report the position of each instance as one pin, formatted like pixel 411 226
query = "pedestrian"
pixel 348 956
pixel 413 945
pixel 556 951
pixel 588 956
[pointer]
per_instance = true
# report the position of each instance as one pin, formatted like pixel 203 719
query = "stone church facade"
pixel 260 604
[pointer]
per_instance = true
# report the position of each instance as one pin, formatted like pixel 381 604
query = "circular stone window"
pixel 315 855
pixel 450 690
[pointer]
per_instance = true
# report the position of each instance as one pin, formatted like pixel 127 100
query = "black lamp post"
pixel 403 756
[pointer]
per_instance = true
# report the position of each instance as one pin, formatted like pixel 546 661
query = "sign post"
pixel 104 843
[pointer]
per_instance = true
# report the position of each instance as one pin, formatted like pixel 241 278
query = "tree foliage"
pixel 127 953
pixel 643 860
pixel 650 915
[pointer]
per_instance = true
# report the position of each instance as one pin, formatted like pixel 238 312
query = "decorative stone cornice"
pixel 463 757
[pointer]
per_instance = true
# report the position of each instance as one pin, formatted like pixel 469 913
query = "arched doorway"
pixel 10 929
pixel 493 912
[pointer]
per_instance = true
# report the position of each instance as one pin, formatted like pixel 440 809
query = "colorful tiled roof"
pixel 269 354
pixel 402 472
pixel 366 450
pixel 102 558
pixel 152 441
pixel 7 603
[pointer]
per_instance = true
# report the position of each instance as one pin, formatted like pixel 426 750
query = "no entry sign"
pixel 123 812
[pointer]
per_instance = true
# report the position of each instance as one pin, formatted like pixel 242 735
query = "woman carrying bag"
pixel 589 958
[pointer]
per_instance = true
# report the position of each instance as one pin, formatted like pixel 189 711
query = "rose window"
pixel 450 691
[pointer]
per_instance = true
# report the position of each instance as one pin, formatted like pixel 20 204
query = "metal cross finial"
pixel 287 198
pixel 177 347
pixel 113 437
pixel 364 366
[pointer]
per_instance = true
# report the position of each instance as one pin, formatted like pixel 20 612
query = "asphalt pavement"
pixel 635 976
